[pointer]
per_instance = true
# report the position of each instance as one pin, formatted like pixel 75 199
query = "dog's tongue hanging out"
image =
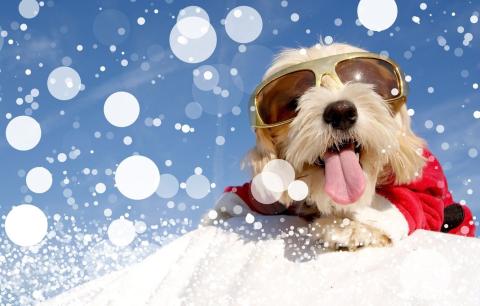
pixel 344 178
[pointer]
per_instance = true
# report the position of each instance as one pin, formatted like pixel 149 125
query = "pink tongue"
pixel 344 178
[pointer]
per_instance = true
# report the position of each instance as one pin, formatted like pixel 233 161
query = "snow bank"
pixel 245 266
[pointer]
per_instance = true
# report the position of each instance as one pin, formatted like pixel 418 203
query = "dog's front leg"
pixel 345 233
pixel 378 224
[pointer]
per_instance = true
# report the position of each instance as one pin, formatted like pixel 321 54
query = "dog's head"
pixel 344 140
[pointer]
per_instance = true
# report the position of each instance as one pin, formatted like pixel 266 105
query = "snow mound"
pixel 271 262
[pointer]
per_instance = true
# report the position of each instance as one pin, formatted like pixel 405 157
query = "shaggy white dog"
pixel 385 147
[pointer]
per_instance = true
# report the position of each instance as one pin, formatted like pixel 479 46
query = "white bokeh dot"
pixel 140 227
pixel 28 8
pixel 193 110
pixel 295 17
pixel 429 124
pixel 121 232
pixel 464 230
pixel 243 24
pixel 474 19
pixel 62 157
pixel 472 152
pixel 220 140
pixel 298 190
pixel 39 180
pixel 23 133
pixel 237 209
pixel 137 177
pixel 100 188
pixel 26 225
pixel 249 218
pixel 156 122
pixel 168 186
pixel 262 185
pixel 212 214
pixel 197 186
pixel 377 15
pixel 206 77
pixel 121 109
pixel 64 83
pixel 127 140
pixel 107 212
pixel 236 110
pixel 440 128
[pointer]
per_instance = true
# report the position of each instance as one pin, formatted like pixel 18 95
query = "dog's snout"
pixel 341 114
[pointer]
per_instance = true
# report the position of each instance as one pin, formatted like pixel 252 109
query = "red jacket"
pixel 425 203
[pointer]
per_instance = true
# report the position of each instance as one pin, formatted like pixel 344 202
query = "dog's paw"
pixel 338 234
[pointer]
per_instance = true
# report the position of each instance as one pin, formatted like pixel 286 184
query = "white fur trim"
pixel 229 204
pixel 382 214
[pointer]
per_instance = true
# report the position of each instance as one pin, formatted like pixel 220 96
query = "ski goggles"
pixel 274 101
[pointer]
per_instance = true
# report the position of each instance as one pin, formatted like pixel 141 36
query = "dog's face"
pixel 342 160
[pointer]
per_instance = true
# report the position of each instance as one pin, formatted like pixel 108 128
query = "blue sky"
pixel 163 85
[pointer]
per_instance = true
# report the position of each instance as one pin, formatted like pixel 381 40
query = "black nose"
pixel 341 114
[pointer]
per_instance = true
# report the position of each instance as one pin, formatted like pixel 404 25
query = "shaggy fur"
pixel 390 149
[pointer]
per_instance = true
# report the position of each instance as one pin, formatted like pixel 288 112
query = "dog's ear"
pixel 263 152
pixel 407 163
